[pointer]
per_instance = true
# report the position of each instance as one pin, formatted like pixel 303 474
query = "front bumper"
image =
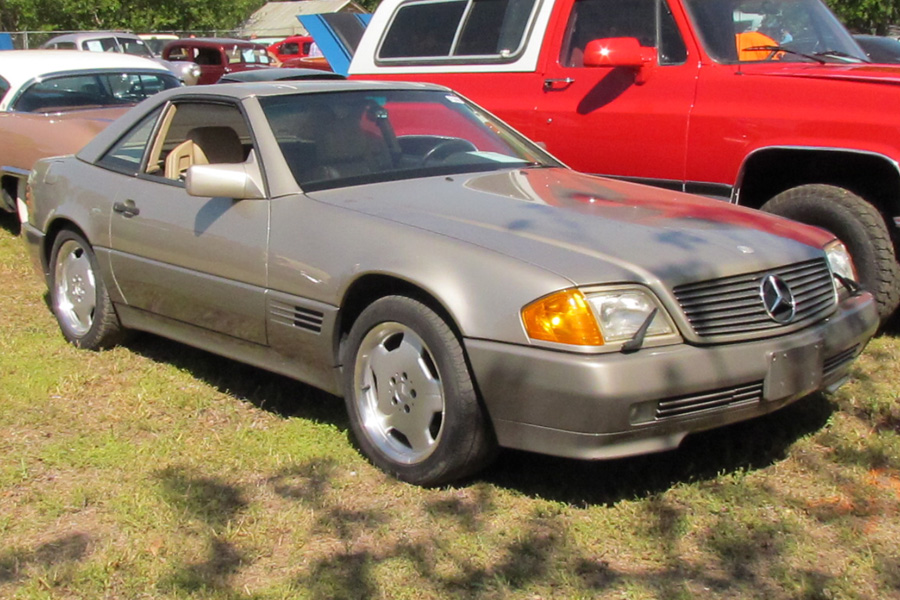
pixel 613 405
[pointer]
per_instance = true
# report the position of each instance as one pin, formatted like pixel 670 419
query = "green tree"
pixel 137 15
pixel 867 16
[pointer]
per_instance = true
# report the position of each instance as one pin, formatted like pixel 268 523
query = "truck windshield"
pixel 338 139
pixel 763 30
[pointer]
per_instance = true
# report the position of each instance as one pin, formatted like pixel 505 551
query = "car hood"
pixel 859 72
pixel 589 229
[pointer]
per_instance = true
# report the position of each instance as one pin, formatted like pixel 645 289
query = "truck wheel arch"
pixel 767 172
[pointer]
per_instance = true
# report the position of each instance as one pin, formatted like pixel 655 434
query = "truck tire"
pixel 858 225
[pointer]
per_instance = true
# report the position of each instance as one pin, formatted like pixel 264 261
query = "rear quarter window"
pixel 457 31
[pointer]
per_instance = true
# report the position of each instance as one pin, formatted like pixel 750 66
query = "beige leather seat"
pixel 204 146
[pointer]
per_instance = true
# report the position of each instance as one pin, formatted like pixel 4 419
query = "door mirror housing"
pixel 624 52
pixel 241 181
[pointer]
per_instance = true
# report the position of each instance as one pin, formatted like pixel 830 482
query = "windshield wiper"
pixel 776 49
pixel 839 55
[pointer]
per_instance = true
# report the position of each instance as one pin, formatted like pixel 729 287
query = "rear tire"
pixel 413 407
pixel 78 295
pixel 858 225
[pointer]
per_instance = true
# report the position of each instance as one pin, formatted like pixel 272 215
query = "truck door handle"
pixel 557 84
pixel 127 208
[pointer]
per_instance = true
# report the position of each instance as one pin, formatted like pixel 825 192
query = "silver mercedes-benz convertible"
pixel 463 290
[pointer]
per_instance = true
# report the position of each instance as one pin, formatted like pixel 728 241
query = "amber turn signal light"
pixel 564 318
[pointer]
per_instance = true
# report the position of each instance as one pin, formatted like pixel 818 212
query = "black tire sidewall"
pixel 463 415
pixel 98 335
pixel 858 225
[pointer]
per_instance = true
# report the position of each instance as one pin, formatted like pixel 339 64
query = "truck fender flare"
pixel 742 170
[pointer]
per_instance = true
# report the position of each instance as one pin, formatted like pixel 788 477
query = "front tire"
pixel 413 408
pixel 78 296
pixel 858 225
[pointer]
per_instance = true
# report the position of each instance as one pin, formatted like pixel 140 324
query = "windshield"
pixel 348 138
pixel 71 92
pixel 759 30
pixel 135 47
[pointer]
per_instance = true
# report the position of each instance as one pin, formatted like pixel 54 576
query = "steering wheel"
pixel 445 148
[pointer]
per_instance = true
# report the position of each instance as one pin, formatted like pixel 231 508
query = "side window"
pixel 289 48
pixel 650 21
pixel 180 53
pixel 125 156
pixel 4 87
pixel 101 45
pixel 489 29
pixel 198 133
pixel 208 56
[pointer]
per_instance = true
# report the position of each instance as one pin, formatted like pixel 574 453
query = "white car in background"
pixel 55 102
pixel 125 43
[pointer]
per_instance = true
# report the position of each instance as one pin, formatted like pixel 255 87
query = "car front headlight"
pixel 595 317
pixel 622 312
pixel 839 260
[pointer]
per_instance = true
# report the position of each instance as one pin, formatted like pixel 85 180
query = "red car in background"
pixel 218 56
pixel 295 46
pixel 299 51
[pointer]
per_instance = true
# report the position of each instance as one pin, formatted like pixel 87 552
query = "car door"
pixel 192 260
pixel 610 120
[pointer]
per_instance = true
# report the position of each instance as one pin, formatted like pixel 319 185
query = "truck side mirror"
pixel 624 52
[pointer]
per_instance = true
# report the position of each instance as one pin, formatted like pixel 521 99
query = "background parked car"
pixel 295 46
pixel 157 41
pixel 283 74
pixel 218 56
pixel 879 48
pixel 126 43
pixel 55 102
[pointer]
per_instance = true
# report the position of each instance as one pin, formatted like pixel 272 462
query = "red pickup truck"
pixel 769 104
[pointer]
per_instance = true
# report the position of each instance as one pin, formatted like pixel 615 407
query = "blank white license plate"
pixel 793 372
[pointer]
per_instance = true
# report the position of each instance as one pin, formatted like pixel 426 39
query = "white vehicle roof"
pixel 18 67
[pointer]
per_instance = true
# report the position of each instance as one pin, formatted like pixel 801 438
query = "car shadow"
pixel 10 222
pixel 749 445
pixel 746 446
pixel 277 394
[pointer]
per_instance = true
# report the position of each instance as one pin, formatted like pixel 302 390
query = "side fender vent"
pixel 297 316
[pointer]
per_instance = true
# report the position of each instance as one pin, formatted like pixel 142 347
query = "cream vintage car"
pixel 55 102
pixel 463 290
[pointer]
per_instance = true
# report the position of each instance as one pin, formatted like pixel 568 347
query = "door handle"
pixel 127 208
pixel 557 84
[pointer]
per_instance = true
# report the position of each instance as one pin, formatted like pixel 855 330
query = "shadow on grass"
pixel 268 391
pixel 749 445
pixel 214 503
pixel 70 548
pixel 10 222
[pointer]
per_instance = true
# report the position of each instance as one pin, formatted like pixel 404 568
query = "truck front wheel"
pixel 858 225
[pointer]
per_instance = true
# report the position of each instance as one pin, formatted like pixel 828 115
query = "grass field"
pixel 157 471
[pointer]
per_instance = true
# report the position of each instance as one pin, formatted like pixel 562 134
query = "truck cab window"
pixel 650 21
pixel 488 29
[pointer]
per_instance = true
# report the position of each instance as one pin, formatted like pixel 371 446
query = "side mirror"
pixel 624 52
pixel 241 181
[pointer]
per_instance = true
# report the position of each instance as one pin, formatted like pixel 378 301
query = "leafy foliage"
pixel 867 16
pixel 137 15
